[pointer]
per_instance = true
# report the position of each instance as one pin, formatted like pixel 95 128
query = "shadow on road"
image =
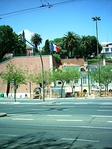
pixel 34 141
pixel 40 141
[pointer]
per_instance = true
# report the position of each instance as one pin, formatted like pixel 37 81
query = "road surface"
pixel 61 123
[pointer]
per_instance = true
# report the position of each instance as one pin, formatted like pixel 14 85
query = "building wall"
pixel 27 63
pixel 107 50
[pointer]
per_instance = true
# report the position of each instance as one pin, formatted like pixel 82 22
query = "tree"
pixel 90 46
pixel 72 45
pixel 70 42
pixel 86 42
pixel 63 52
pixel 36 77
pixel 36 40
pixel 46 48
pixel 65 75
pixel 57 58
pixel 105 75
pixel 13 72
pixel 9 42
pixel 21 46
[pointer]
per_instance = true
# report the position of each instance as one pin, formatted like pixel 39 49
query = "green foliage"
pixel 46 48
pixel 72 45
pixel 104 74
pixel 64 75
pixel 36 77
pixel 13 72
pixel 10 42
pixel 90 43
pixel 57 41
pixel 57 58
pixel 36 40
pixel 21 46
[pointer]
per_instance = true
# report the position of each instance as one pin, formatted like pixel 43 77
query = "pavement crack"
pixel 81 133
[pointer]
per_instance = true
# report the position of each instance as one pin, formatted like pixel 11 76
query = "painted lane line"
pixel 82 140
pixel 101 116
pixel 9 135
pixel 104 110
pixel 109 121
pixel 38 109
pixel 85 103
pixel 86 140
pixel 92 127
pixel 105 107
pixel 106 103
pixel 22 119
pixel 58 115
pixel 64 120
pixel 16 115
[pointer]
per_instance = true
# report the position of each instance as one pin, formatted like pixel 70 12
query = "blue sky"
pixel 55 22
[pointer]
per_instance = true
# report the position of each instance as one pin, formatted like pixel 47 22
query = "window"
pixel 106 49
pixel 82 69
pixel 76 81
pixel 68 81
pixel 84 80
pixel 111 50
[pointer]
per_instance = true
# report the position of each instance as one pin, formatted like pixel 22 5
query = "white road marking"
pixel 64 120
pixel 109 121
pixel 92 127
pixel 105 107
pixel 9 135
pixel 106 103
pixel 85 103
pixel 101 116
pixel 104 110
pixel 58 115
pixel 86 140
pixel 16 115
pixel 83 140
pixel 22 119
pixel 38 109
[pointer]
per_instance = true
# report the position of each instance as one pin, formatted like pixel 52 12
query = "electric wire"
pixel 48 5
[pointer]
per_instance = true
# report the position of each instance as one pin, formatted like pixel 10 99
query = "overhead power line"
pixel 43 5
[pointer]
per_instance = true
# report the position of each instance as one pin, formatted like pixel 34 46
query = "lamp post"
pixel 97 19
pixel 88 80
pixel 24 40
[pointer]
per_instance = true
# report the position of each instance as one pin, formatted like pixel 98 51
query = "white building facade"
pixel 106 49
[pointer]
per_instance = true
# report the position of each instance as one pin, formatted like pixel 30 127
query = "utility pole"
pixel 24 40
pixel 98 19
pixel 15 87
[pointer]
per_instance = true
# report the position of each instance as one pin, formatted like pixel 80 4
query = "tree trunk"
pixel 8 88
pixel 62 89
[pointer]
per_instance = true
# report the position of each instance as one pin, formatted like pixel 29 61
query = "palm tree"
pixel 70 42
pixel 85 41
pixel 36 40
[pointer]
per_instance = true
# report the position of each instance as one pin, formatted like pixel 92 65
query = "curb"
pixel 3 114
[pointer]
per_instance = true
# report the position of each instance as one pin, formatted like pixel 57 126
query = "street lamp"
pixel 24 40
pixel 97 19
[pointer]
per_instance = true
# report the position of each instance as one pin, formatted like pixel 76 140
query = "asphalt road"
pixel 61 123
